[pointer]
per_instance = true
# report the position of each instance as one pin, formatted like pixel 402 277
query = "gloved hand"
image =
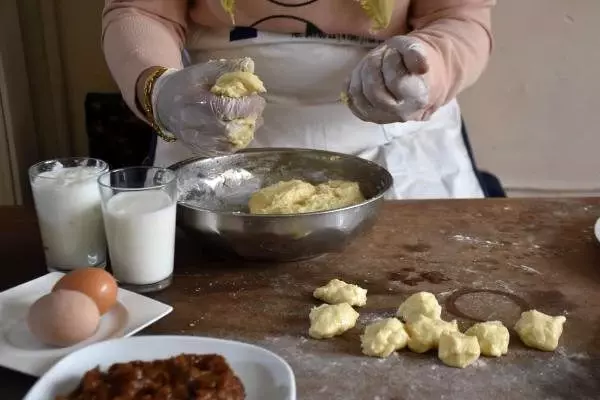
pixel 185 107
pixel 388 85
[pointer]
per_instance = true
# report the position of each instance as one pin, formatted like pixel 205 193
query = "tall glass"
pixel 68 207
pixel 139 208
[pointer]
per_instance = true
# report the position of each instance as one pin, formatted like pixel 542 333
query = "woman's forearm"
pixel 137 37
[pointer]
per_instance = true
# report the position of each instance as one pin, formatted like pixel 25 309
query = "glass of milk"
pixel 69 211
pixel 139 208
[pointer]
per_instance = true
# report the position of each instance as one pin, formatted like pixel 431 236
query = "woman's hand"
pixel 185 107
pixel 389 85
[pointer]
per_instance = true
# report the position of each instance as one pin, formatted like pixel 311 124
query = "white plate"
pixel 265 375
pixel 21 351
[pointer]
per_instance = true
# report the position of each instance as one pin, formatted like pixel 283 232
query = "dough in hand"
pixel 238 84
pixel 539 330
pixel 458 350
pixel 337 291
pixel 297 196
pixel 328 320
pixel 382 338
pixel 493 338
pixel 240 132
pixel 422 303
pixel 424 333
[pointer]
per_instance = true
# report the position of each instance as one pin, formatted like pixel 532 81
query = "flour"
pixel 520 374
pixel 525 268
pixel 476 241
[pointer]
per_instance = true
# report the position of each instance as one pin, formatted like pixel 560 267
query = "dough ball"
pixel 240 132
pixel 297 196
pixel 539 330
pixel 424 333
pixel 337 291
pixel 382 338
pixel 328 320
pixel 458 350
pixel 422 303
pixel 493 338
pixel 237 84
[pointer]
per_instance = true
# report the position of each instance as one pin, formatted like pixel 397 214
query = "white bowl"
pixel 265 375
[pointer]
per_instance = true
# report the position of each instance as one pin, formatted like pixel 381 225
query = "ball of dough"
pixel 328 320
pixel 238 84
pixel 493 338
pixel 458 350
pixel 424 333
pixel 382 338
pixel 539 330
pixel 422 303
pixel 337 291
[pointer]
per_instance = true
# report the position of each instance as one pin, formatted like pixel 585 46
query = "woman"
pixel 401 75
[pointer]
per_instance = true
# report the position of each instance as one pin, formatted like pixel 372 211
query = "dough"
pixel 458 350
pixel 327 320
pixel 344 99
pixel 337 291
pixel 493 338
pixel 422 303
pixel 229 7
pixel 382 338
pixel 539 330
pixel 240 132
pixel 424 333
pixel 296 196
pixel 379 11
pixel 238 84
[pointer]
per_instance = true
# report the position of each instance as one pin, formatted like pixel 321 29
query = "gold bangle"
pixel 147 104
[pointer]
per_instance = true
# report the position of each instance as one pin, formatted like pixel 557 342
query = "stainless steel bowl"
pixel 214 193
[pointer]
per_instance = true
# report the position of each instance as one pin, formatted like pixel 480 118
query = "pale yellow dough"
pixel 425 333
pixel 422 303
pixel 458 350
pixel 382 338
pixel 337 291
pixel 238 84
pixel 379 11
pixel 296 197
pixel 539 330
pixel 229 7
pixel 240 132
pixel 493 338
pixel 327 321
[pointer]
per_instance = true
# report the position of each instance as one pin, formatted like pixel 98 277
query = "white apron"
pixel 304 77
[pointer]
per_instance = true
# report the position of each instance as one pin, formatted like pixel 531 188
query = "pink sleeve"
pixel 458 41
pixel 139 34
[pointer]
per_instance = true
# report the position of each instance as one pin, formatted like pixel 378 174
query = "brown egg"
pixel 63 318
pixel 98 284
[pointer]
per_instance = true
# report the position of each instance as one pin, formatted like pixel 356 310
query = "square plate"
pixel 21 351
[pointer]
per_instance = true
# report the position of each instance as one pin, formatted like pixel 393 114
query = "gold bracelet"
pixel 147 104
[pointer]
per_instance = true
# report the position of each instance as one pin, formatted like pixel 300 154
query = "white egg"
pixel 63 318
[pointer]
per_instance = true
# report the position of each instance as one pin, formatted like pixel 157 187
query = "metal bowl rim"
pixel 387 177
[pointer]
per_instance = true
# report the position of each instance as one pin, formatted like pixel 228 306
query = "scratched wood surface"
pixel 485 259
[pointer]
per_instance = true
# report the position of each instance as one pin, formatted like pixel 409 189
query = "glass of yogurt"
pixel 139 208
pixel 69 211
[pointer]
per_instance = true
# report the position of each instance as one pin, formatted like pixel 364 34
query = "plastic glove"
pixel 185 107
pixel 388 85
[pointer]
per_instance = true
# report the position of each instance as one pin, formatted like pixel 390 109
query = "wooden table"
pixel 484 259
